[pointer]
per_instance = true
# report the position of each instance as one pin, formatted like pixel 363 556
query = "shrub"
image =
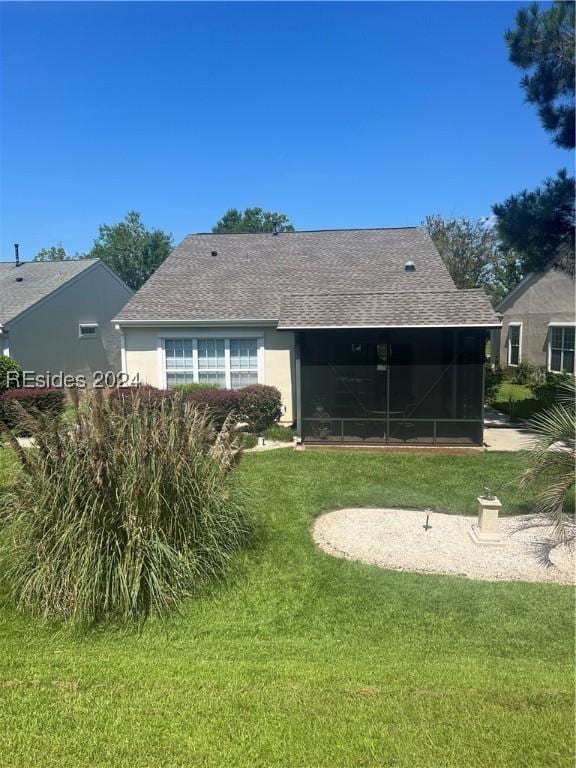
pixel 247 440
pixel 493 376
pixel 185 389
pixel 220 403
pixel 260 406
pixel 7 365
pixel 550 389
pixel 281 434
pixel 142 396
pixel 33 401
pixel 528 374
pixel 123 516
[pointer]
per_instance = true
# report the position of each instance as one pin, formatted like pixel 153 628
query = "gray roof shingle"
pixel 250 273
pixel 393 309
pixel 39 279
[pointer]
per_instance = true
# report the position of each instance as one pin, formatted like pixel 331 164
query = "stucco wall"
pixel 46 338
pixel 548 299
pixel 142 356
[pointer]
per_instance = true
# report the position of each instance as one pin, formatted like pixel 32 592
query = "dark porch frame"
pixel 447 363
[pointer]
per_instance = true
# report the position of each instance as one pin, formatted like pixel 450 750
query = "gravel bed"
pixel 396 539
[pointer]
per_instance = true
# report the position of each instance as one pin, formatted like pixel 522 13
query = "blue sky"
pixel 340 115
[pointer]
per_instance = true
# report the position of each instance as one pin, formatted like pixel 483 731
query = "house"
pixel 56 315
pixel 538 322
pixel 362 331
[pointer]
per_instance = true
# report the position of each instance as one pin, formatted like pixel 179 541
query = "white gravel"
pixel 396 539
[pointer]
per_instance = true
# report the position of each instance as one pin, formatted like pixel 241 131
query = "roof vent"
pixel 17 254
pixel 410 266
pixel 19 279
pixel 214 253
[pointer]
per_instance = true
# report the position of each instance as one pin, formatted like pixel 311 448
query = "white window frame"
pixel 510 364
pixel 88 335
pixel 202 334
pixel 549 346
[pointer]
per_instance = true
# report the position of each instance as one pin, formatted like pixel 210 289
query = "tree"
pixel 132 251
pixel 472 254
pixel 252 220
pixel 539 225
pixel 54 253
pixel 542 44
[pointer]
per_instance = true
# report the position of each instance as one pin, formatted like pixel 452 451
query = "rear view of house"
pixel 56 315
pixel 538 322
pixel 362 331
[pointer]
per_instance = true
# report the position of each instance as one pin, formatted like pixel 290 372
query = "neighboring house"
pixel 538 322
pixel 56 315
pixel 362 331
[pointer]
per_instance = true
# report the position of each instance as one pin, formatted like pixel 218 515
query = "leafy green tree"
pixel 132 251
pixel 252 220
pixel 539 225
pixel 472 254
pixel 542 45
pixel 54 253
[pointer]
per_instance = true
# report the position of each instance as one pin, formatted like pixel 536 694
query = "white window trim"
pixel 202 334
pixel 549 368
pixel 509 344
pixel 88 335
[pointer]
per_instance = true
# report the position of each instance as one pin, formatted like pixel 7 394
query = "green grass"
pixel 307 661
pixel 517 400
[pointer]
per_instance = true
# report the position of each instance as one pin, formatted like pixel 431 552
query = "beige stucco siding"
pixel 144 358
pixel 46 337
pixel 547 299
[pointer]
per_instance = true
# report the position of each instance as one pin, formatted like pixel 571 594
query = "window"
pixel 514 343
pixel 561 349
pixel 179 361
pixel 226 362
pixel 88 330
pixel 243 362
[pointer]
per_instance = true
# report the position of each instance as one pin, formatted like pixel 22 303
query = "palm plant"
pixel 124 513
pixel 552 463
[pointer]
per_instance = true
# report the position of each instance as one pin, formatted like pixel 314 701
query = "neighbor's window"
pixel 88 330
pixel 514 344
pixel 561 349
pixel 222 361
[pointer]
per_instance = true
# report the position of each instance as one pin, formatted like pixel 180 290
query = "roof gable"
pixel 33 281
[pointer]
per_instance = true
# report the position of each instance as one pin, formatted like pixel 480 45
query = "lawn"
pixel 304 660
pixel 517 400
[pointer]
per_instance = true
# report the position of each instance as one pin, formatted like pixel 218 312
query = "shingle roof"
pixel 401 308
pixel 230 277
pixel 39 279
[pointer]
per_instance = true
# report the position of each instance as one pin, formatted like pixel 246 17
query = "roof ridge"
pixel 410 292
pixel 310 231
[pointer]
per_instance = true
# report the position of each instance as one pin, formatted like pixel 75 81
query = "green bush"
pixel 32 401
pixel 260 406
pixel 185 389
pixel 493 376
pixel 528 374
pixel 550 389
pixel 247 440
pixel 7 365
pixel 281 434
pixel 124 516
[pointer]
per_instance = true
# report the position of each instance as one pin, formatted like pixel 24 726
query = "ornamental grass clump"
pixel 122 515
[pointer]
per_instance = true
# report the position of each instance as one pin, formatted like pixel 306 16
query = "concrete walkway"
pixel 508 439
